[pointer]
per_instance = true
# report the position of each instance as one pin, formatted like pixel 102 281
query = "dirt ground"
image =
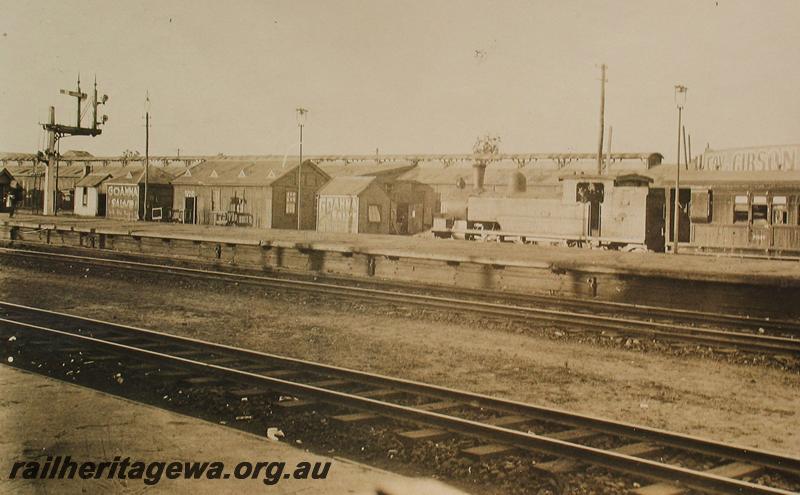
pixel 751 405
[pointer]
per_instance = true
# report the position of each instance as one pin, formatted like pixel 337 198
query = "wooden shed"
pixel 257 193
pixel 355 204
pixel 125 196
pixel 90 191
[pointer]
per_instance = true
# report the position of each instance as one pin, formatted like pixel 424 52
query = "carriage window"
pixel 740 210
pixel 760 210
pixel 780 214
pixel 586 192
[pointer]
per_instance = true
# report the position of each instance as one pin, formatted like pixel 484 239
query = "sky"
pixel 426 76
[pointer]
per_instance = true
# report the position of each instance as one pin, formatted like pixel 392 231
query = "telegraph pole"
pixel 146 149
pixel 56 131
pixel 301 120
pixel 602 118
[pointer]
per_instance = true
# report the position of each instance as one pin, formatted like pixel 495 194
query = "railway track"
pixel 430 412
pixel 759 335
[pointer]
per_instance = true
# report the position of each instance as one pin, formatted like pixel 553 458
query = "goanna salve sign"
pixel 122 201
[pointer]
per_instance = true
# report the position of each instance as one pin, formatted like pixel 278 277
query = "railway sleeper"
pixel 734 470
pixel 201 380
pixel 330 382
pixel 243 393
pixel 488 451
pixel 362 417
pixel 434 434
pixel 297 404
pixel 560 466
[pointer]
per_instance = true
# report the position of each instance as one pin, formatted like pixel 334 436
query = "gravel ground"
pixel 741 403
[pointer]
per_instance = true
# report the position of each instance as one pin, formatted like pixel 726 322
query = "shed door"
pixel 401 218
pixel 190 210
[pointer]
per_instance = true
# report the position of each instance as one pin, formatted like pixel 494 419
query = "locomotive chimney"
pixel 479 169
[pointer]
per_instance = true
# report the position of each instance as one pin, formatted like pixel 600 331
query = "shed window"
pixel 760 210
pixel 85 196
pixel 780 214
pixel 374 213
pixel 291 202
pixel 740 210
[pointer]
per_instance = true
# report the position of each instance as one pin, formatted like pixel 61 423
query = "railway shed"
pixel 125 195
pixel 30 177
pixel 354 204
pixel 258 192
pixel 412 204
pixel 8 190
pixel 90 191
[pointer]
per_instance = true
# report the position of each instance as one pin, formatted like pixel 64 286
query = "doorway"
pixel 190 210
pixel 401 218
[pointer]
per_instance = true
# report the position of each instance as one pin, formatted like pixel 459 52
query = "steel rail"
pixel 679 476
pixel 667 331
pixel 587 304
pixel 641 433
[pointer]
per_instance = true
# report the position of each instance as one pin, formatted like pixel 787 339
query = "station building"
pixel 260 192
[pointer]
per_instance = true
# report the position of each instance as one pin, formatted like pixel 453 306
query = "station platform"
pixel 745 286
pixel 689 266
pixel 41 416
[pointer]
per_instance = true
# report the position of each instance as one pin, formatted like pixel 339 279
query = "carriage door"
pixel 594 219
pixel 760 231
pixel 684 225
pixel 591 194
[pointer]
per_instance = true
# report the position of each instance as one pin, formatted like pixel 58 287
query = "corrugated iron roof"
pixel 346 186
pixel 345 168
pixel 93 180
pixel 239 172
pixel 137 176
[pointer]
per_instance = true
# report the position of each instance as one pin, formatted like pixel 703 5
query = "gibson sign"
pixel 766 158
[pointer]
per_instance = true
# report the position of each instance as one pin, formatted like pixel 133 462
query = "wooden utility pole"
pixel 608 149
pixel 602 118
pixel 49 172
pixel 301 120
